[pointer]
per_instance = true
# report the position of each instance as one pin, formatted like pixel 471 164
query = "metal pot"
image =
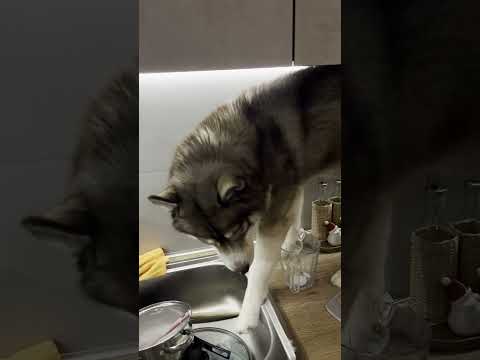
pixel 164 330
pixel 223 340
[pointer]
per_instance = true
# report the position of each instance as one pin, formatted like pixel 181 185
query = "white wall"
pixel 171 104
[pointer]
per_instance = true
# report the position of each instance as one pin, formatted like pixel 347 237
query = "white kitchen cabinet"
pixel 317 32
pixel 178 35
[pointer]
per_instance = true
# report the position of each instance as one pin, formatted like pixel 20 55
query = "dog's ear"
pixel 228 186
pixel 168 197
pixel 67 224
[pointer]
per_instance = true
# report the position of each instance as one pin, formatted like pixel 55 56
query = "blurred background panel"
pixel 55 57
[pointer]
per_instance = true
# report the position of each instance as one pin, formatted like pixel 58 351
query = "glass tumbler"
pixel 300 262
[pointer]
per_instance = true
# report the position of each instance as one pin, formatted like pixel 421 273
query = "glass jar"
pixel 300 262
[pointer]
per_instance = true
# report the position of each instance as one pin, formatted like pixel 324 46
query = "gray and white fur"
pixel 236 182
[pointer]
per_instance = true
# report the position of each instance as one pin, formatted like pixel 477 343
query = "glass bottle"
pixel 323 190
pixel 436 204
pixel 338 188
pixel 472 200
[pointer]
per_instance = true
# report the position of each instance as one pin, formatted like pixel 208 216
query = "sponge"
pixel 152 264
pixel 46 350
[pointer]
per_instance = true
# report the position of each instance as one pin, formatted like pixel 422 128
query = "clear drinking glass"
pixel 436 204
pixel 300 263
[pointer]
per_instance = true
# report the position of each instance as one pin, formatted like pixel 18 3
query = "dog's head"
pixel 219 206
pixel 104 246
pixel 98 217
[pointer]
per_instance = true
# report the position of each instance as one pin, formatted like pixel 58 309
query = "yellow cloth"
pixel 152 264
pixel 46 350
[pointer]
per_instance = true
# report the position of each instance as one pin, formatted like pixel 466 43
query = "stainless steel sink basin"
pixel 215 295
pixel 213 292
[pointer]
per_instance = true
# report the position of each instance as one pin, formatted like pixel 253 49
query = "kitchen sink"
pixel 215 295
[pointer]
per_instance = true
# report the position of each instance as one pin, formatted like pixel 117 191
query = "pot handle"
pixel 180 346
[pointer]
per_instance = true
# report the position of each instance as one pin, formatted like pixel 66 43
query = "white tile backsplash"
pixel 162 234
pixel 172 104
pixel 150 183
pixel 155 224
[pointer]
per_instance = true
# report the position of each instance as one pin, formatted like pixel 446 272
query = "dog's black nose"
pixel 244 269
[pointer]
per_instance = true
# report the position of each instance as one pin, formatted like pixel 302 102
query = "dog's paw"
pixel 246 322
pixel 336 279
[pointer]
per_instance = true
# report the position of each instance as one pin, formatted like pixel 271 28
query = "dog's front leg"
pixel 271 233
pixel 267 254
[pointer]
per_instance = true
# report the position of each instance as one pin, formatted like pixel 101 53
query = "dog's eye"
pixel 221 202
pixel 233 196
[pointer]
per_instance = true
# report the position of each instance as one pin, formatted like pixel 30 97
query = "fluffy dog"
pixel 237 178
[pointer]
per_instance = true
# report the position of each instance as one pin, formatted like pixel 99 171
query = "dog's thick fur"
pixel 98 217
pixel 238 176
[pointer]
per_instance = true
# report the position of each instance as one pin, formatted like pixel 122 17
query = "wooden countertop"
pixel 315 332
